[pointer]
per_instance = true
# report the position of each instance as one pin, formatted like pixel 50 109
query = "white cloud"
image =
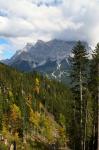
pixel 23 21
pixel 15 27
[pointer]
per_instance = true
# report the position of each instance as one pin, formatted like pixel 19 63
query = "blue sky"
pixel 3 41
pixel 23 21
pixel 5 46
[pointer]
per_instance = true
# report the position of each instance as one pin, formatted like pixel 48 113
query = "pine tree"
pixel 78 85
pixel 94 88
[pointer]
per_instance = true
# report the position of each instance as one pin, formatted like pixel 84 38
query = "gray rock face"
pixel 46 57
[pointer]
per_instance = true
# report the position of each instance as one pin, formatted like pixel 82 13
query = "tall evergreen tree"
pixel 78 85
pixel 94 88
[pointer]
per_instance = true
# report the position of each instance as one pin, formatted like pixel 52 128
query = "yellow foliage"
pixel 4 131
pixel 49 129
pixel 34 118
pixel 16 137
pixel 37 81
pixel 61 131
pixel 37 90
pixel 15 112
pixel 10 94
pixel 62 135
pixel 41 105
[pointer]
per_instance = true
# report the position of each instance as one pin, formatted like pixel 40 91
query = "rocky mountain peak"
pixel 46 57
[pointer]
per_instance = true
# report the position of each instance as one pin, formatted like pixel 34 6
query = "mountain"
pixel 46 57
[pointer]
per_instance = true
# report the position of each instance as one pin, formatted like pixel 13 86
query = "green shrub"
pixel 3 146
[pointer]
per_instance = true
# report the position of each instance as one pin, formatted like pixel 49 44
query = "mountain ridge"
pixel 44 57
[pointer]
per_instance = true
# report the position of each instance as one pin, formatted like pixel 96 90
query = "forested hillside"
pixel 35 112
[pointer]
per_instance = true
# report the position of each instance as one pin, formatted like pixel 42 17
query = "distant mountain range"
pixel 50 58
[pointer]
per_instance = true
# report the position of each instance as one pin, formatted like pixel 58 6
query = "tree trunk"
pixel 14 143
pixel 81 99
pixel 74 117
pixel 85 134
pixel 98 106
